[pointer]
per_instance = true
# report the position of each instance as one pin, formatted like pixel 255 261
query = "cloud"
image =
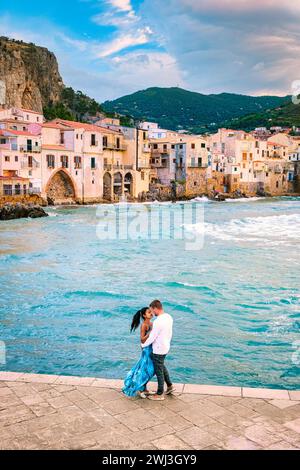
pixel 230 45
pixel 141 37
pixel 122 5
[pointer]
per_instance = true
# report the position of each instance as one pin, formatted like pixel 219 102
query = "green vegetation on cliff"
pixel 286 115
pixel 175 108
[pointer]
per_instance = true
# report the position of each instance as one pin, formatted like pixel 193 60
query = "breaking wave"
pixel 274 230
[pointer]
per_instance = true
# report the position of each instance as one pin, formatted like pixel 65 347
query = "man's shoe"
pixel 156 397
pixel 170 390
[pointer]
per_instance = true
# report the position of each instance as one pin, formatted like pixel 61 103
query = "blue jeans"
pixel 161 372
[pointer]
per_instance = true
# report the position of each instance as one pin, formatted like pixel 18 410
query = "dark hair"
pixel 137 318
pixel 156 304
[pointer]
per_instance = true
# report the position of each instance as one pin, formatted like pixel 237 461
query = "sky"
pixel 111 48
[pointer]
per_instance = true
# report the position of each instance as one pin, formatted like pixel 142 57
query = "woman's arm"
pixel 144 337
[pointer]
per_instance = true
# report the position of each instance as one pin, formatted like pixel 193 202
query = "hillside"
pixel 175 108
pixel 30 79
pixel 286 115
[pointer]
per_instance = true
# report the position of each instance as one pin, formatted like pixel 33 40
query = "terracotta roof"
pixel 12 132
pixel 277 144
pixel 54 125
pixel 86 127
pixel 13 178
pixel 30 111
pixel 55 147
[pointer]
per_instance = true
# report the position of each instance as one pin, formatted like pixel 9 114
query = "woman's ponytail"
pixel 137 318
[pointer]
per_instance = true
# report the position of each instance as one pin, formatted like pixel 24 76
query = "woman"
pixel 139 376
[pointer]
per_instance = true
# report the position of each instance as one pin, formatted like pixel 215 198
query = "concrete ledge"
pixel 226 391
pixel 265 393
pixel 213 390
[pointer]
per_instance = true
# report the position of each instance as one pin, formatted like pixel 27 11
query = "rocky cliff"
pixel 29 76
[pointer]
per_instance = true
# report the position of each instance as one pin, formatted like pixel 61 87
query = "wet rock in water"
pixel 19 211
pixel 221 197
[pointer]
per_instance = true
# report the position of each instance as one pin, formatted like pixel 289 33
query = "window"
pixel 165 147
pixel 144 135
pixel 2 141
pixel 93 162
pixel 27 117
pixel 64 161
pixel 104 141
pixel 193 146
pixel 7 190
pixel 244 156
pixel 37 119
pixel 118 142
pixel 77 136
pixel 203 145
pixel 77 163
pixel 24 189
pixel 155 146
pixel 50 161
pixel 199 162
pixel 93 140
pixel 30 161
pixel 7 159
pixel 16 158
pixel 251 156
pixel 142 176
pixel 181 147
pixel 62 138
pixel 172 146
pixel 17 189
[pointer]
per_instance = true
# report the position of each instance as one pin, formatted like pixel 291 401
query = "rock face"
pixel 19 211
pixel 29 76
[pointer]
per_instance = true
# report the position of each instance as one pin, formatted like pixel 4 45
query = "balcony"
pixel 108 146
pixel 9 146
pixel 197 165
pixel 111 167
pixel 26 165
pixel 30 149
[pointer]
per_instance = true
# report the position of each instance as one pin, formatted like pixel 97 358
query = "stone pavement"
pixel 57 412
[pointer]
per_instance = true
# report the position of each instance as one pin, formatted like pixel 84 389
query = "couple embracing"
pixel 155 341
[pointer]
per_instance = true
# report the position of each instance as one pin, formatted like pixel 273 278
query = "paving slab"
pixel 64 412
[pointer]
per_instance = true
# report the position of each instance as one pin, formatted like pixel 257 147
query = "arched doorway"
pixel 128 184
pixel 118 184
pixel 107 186
pixel 60 189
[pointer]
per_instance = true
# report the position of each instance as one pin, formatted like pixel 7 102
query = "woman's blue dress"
pixel 140 374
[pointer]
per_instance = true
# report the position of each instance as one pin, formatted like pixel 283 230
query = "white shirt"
pixel 161 334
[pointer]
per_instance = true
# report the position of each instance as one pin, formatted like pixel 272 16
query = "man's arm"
pixel 153 335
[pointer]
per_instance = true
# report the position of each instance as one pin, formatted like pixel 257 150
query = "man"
pixel 160 337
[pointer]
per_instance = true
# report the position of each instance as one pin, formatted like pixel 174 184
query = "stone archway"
pixel 107 181
pixel 60 189
pixel 118 181
pixel 128 184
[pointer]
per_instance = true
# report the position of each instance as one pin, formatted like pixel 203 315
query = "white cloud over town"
pixel 209 46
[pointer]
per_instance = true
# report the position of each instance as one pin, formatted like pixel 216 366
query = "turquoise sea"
pixel 67 297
